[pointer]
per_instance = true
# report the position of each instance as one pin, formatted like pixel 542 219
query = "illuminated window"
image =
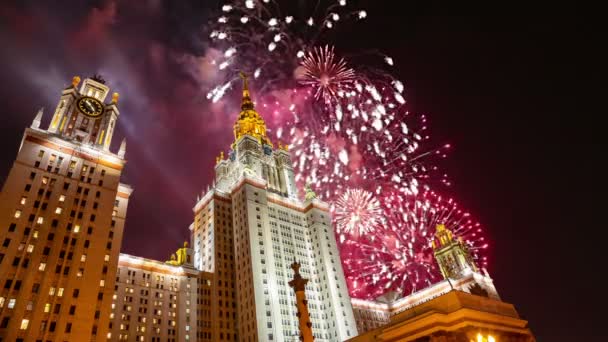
pixel 2 299
pixel 72 165
pixel 52 158
pixel 60 292
pixel 45 180
pixel 40 220
pixel 76 228
pixel 102 283
pixel 106 257
pixel 11 303
pixel 42 266
pixel 62 198
pixel 24 323
pixel 35 234
pixel 83 258
pixel 40 154
pixel 58 210
pixel 23 200
pixel 17 213
pixel 51 291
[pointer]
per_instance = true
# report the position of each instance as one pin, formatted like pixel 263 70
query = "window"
pixel 76 293
pixel 62 198
pixel 72 309
pixel 83 258
pixel 60 292
pixel 68 327
pixel 40 220
pixel 42 266
pixel 58 210
pixel 17 213
pixel 11 303
pixel 76 228
pixel 30 248
pixel 4 323
pixel 24 324
pixel 23 200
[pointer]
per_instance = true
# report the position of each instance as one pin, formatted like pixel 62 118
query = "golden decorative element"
pixel 75 81
pixel 115 97
pixel 219 158
pixel 249 121
pixel 180 257
pixel 283 147
pixel 443 234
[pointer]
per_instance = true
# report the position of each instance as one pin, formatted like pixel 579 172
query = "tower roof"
pixel 249 121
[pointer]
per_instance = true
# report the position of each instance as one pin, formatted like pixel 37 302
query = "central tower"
pixel 249 228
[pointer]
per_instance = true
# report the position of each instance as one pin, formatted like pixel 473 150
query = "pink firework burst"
pixel 325 73
pixel 398 255
pixel 357 212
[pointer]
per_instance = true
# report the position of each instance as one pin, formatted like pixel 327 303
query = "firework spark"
pixel 357 212
pixel 326 74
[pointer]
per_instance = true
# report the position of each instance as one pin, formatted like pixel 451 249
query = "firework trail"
pixel 350 135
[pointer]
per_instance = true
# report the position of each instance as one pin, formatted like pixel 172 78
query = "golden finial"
pixel 75 81
pixel 440 228
pixel 185 244
pixel 219 158
pixel 286 147
pixel 115 97
pixel 246 103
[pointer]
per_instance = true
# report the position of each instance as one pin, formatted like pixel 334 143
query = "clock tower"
pixel 62 213
pixel 84 115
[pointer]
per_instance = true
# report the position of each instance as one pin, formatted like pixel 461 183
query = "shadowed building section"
pixel 299 287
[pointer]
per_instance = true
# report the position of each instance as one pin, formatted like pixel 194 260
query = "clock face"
pixel 90 106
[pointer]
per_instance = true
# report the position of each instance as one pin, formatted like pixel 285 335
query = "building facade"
pixel 154 301
pixel 62 212
pixel 247 231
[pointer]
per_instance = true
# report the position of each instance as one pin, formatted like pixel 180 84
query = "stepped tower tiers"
pixel 247 230
pixel 253 153
pixel 62 213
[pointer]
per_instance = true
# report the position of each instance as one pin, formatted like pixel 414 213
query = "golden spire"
pixel 246 103
pixel 249 121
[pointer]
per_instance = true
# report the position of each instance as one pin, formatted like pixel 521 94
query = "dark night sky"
pixel 500 84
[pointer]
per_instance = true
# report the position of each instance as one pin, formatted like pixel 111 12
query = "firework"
pixel 357 212
pixel 350 135
pixel 326 74
pixel 399 255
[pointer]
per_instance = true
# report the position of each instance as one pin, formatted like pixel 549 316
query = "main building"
pixel 251 226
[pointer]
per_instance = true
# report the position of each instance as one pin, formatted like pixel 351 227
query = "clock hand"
pixel 89 106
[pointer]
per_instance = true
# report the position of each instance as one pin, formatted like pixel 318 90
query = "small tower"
pixel 451 254
pixel 299 286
